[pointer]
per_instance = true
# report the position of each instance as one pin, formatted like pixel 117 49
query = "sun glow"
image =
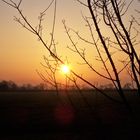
pixel 65 69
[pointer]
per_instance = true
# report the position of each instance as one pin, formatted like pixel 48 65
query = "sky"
pixel 20 51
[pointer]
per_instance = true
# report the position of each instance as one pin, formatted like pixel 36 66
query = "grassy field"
pixel 43 115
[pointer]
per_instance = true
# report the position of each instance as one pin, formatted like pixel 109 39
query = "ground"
pixel 70 115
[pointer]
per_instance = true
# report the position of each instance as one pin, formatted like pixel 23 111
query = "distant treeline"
pixel 10 86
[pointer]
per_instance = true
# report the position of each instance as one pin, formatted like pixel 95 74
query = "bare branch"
pixel 10 4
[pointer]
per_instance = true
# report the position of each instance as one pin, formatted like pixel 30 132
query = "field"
pixel 71 115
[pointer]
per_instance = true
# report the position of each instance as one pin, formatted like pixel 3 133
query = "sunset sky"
pixel 20 51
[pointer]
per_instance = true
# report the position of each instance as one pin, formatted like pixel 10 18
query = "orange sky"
pixel 21 53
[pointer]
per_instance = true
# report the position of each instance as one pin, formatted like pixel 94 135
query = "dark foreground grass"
pixel 67 116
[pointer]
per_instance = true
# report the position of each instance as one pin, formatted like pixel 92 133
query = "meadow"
pixel 69 115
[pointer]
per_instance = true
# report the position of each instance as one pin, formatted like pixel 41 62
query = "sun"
pixel 65 69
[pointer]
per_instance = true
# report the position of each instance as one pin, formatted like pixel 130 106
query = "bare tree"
pixel 120 40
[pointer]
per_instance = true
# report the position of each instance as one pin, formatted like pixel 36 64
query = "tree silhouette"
pixel 121 40
pixel 8 85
